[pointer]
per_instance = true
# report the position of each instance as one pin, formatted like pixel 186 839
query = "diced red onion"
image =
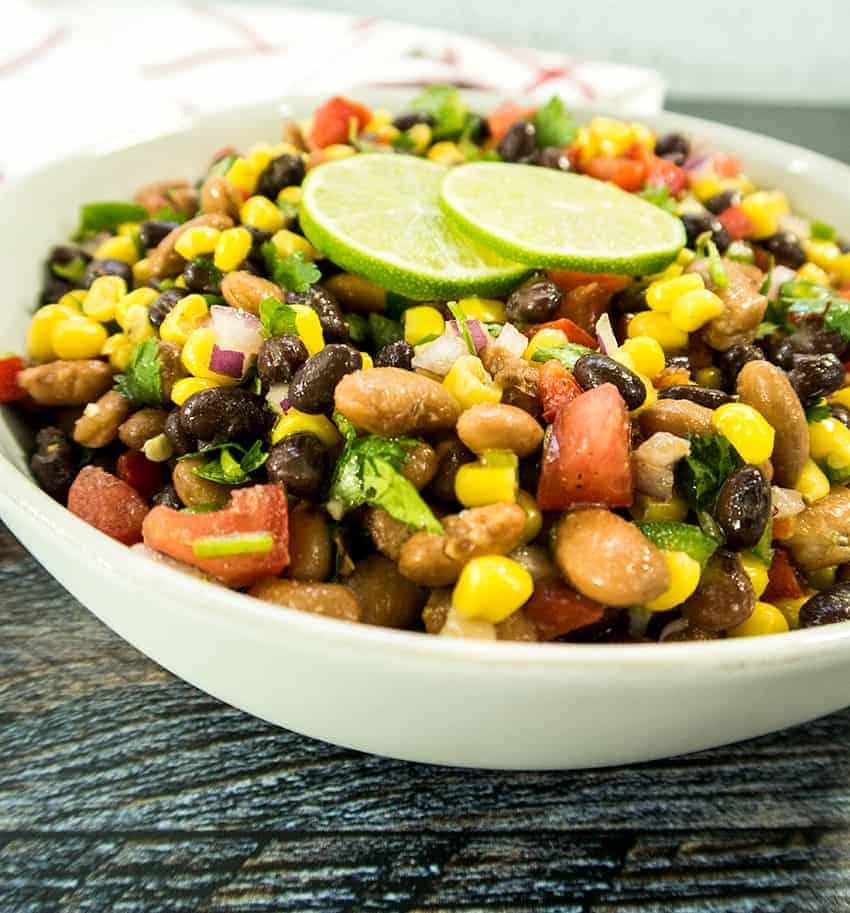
pixel 673 627
pixel 781 275
pixel 608 344
pixel 227 361
pixel 439 356
pixel 697 161
pixel 511 339
pixel 480 336
pixel 786 502
pixel 236 329
pixel 278 398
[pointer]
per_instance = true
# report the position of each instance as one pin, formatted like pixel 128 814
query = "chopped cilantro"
pixel 446 105
pixel 768 279
pixel 277 318
pixel 232 464
pixel 567 354
pixel 553 124
pixel 293 273
pixel 701 474
pixel 73 270
pixel 817 413
pixel 462 328
pixel 837 318
pixel 762 549
pixel 358 329
pixel 766 328
pixel 107 216
pixel 383 330
pixel 141 382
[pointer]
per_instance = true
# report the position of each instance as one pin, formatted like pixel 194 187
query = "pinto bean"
pixel 675 416
pixel 98 425
pixel 164 259
pixel 163 194
pixel 437 609
pixel 141 426
pixel 170 367
pixel 822 534
pixel 744 304
pixel 497 426
pixel 310 548
pixel 66 383
pixel 423 560
pixel 333 600
pixel 519 379
pixel 420 467
pixel 387 598
pixel 608 559
pixel 494 529
pixel 218 195
pixel 392 401
pixel 767 389
pixel 388 534
pixel 451 455
pixel 242 289
pixel 194 491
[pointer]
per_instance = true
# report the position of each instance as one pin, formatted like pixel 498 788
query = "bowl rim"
pixel 18 493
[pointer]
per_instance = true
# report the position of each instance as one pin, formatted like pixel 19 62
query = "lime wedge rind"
pixel 546 218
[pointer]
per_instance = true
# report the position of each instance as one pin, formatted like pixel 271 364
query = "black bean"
pixel 108 267
pixel 814 376
pixel 535 301
pixel 398 354
pixel 53 463
pixel 778 350
pixel 704 396
pixel 553 157
pixel 841 413
pixel 734 358
pixel 182 442
pixel 810 338
pixel 451 455
pixel 724 597
pixel 743 507
pixel 312 388
pixel 225 414
pixel 674 147
pixel 284 171
pixel 279 358
pixel 153 231
pixel 201 276
pixel 519 144
pixel 698 223
pixel 167 497
pixel 163 304
pixel 843 246
pixel 680 362
pixel 631 300
pixel 827 607
pixel 300 462
pixel 723 200
pixel 324 303
pixel 786 249
pixel 595 369
pixel 412 118
pixel 53 289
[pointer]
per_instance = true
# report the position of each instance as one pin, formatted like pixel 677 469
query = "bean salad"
pixel 589 457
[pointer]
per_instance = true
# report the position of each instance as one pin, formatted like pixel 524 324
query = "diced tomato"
pixel 783 582
pixel 660 172
pixel 332 121
pixel 10 367
pixel 139 472
pixel 726 166
pixel 626 173
pixel 260 508
pixel 504 117
pixel 569 328
pixel 557 388
pixel 567 280
pixel 737 223
pixel 108 504
pixel 557 609
pixel 586 460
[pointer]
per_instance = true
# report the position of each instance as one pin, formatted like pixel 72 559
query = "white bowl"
pixel 430 699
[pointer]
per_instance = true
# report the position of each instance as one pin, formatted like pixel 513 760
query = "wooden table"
pixel 124 789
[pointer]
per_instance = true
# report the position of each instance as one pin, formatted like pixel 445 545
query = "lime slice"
pixel 548 218
pixel 379 216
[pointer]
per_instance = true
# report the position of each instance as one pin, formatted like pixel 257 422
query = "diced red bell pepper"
pixel 332 121
pixel 737 223
pixel 139 472
pixel 557 609
pixel 557 388
pixel 504 117
pixel 10 368
pixel 783 582
pixel 586 460
pixel 660 173
pixel 260 508
pixel 626 173
pixel 569 328
pixel 108 504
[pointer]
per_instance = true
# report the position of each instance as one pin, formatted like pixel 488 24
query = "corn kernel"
pixel 705 184
pixel 684 577
pixel 232 247
pixel 643 136
pixel 293 422
pixel 259 212
pixel 549 338
pixel 143 297
pixel 420 136
pixel 119 247
pixel 142 271
pixel 756 570
pixel 487 310
pixel 446 153
pixel 462 628
pixel 119 350
pixel 186 386
pixel 790 608
pixel 158 449
pixel 287 243
pixel 128 229
pixel 812 483
pixel 812 273
pixel 196 355
pixel 710 377
pixel 337 151
pixel 685 257
pixel 842 396
pixel 366 358
pixel 651 395
pixel 491 588
pixel 421 322
pixel 259 157
pixel 746 430
pixel 185 317
pixel 136 324
pixel 663 294
pixel 243 175
pixel 659 327
pixel 104 294
pixel 74 299
pixel 78 337
pixel 180 282
pixel 491 480
pixel 766 619
pixel 649 510
pixel 381 117
pixel 695 309
pixel 611 137
pixel 646 354
pixel 765 209
pixel 822 253
pixel 673 271
pixel 841 269
pixel 290 195
pixel 533 517
pixel 41 328
pixel 197 241
pixel 829 444
pixel 470 384
pixel 309 328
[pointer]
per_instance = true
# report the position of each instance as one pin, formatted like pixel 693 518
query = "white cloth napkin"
pixel 95 71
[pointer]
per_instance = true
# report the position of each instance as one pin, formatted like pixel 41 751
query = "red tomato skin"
pixel 557 609
pixel 557 388
pixel 10 367
pixel 139 472
pixel 108 504
pixel 259 508
pixel 736 222
pixel 569 328
pixel 331 121
pixel 783 582
pixel 504 117
pixel 661 172
pixel 586 460
pixel 628 174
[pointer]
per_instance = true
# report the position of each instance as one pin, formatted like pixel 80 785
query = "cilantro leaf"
pixel 567 354
pixel 701 474
pixel 169 214
pixel 837 318
pixel 766 328
pixel 446 105
pixel 387 488
pixel 554 124
pixel 462 328
pixel 818 412
pixel 383 330
pixel 232 465
pixel 822 231
pixel 277 317
pixel 768 279
pixel 73 270
pixel 346 428
pixel 107 216
pixel 293 273
pixel 762 549
pixel 659 196
pixel 141 383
